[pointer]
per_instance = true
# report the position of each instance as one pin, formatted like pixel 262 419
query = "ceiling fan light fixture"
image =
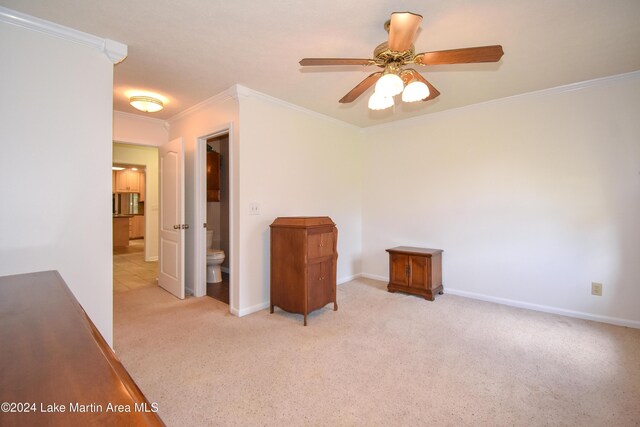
pixel 380 102
pixel 147 104
pixel 390 84
pixel 415 91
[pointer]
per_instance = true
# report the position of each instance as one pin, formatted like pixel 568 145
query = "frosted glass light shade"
pixel 415 91
pixel 389 85
pixel 146 103
pixel 379 101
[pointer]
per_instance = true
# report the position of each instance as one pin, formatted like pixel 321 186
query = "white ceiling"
pixel 190 50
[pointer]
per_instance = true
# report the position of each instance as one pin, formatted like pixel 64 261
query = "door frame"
pixel 200 276
pixel 124 141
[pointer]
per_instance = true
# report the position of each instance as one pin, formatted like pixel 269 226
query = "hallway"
pixel 130 270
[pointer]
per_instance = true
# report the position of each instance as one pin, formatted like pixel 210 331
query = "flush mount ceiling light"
pixel 147 104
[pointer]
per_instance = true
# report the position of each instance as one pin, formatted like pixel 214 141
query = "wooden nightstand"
pixel 415 271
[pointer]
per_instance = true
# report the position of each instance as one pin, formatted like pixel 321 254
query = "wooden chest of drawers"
pixel 415 271
pixel 303 264
pixel 52 353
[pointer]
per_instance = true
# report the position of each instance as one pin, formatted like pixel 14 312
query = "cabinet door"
pixel 121 182
pixel 213 177
pixel 133 181
pixel 320 291
pixel 138 226
pixel 320 245
pixel 398 269
pixel 127 181
pixel 418 269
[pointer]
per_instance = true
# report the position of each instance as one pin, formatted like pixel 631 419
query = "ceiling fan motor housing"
pixel 384 56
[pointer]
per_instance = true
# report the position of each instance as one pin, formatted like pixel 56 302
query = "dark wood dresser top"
pixel 52 354
pixel 414 251
pixel 302 222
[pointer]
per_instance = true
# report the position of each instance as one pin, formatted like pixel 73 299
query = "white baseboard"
pixel 545 308
pixel 529 306
pixel 153 258
pixel 346 279
pixel 249 310
pixel 265 304
pixel 374 277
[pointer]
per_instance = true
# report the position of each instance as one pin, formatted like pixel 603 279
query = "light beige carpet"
pixel 381 359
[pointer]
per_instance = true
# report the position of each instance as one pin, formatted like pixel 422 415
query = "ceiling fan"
pixel 394 54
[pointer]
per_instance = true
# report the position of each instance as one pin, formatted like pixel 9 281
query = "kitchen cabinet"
pixel 213 176
pixel 136 227
pixel 416 271
pixel 127 181
pixel 303 264
pixel 121 231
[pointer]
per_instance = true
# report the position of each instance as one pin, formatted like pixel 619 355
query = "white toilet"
pixel 215 257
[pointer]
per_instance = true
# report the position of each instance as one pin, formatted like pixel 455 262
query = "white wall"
pixel 148 157
pixel 292 162
pixel 139 130
pixel 531 198
pixel 295 164
pixel 55 167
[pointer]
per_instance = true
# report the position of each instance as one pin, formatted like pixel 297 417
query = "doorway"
pixel 217 217
pixel 134 196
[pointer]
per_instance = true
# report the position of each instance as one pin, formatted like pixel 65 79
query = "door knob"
pixel 185 226
pixel 176 227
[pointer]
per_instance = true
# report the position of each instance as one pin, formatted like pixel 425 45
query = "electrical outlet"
pixel 254 208
pixel 596 289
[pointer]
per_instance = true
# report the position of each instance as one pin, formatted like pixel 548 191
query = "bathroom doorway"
pixel 218 220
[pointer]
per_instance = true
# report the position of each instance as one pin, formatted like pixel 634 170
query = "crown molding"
pixel 238 92
pixel 221 97
pixel 115 51
pixel 140 117
pixel 243 91
pixel 601 81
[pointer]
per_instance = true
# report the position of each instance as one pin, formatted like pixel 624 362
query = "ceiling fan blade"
pixel 360 88
pixel 334 61
pixel 461 56
pixel 402 30
pixel 406 77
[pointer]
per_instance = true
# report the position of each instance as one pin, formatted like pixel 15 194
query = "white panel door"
pixel 171 259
